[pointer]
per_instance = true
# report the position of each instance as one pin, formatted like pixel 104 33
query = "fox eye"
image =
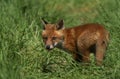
pixel 54 38
pixel 45 38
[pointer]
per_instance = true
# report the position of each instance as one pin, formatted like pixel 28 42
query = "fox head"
pixel 52 34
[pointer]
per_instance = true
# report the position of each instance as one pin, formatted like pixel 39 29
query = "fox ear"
pixel 43 21
pixel 60 24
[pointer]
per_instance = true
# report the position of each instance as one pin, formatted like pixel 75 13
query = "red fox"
pixel 80 41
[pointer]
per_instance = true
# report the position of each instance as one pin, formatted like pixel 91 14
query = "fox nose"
pixel 48 47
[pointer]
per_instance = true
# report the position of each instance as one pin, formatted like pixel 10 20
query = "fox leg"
pixel 86 56
pixel 77 57
pixel 100 51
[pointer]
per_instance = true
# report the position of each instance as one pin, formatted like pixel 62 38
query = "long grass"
pixel 22 52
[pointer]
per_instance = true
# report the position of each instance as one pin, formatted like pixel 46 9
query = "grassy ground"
pixel 22 53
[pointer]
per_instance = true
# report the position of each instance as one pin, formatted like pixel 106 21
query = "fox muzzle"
pixel 49 47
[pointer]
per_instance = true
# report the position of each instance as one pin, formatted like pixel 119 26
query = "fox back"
pixel 80 40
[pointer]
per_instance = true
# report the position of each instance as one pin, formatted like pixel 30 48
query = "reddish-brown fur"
pixel 80 40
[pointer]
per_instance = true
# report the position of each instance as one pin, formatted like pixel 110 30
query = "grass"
pixel 22 52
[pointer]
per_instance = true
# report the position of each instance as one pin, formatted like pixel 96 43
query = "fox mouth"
pixel 49 49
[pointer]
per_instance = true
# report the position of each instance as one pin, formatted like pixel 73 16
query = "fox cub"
pixel 80 41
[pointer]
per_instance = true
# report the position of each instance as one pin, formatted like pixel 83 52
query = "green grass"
pixel 22 52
